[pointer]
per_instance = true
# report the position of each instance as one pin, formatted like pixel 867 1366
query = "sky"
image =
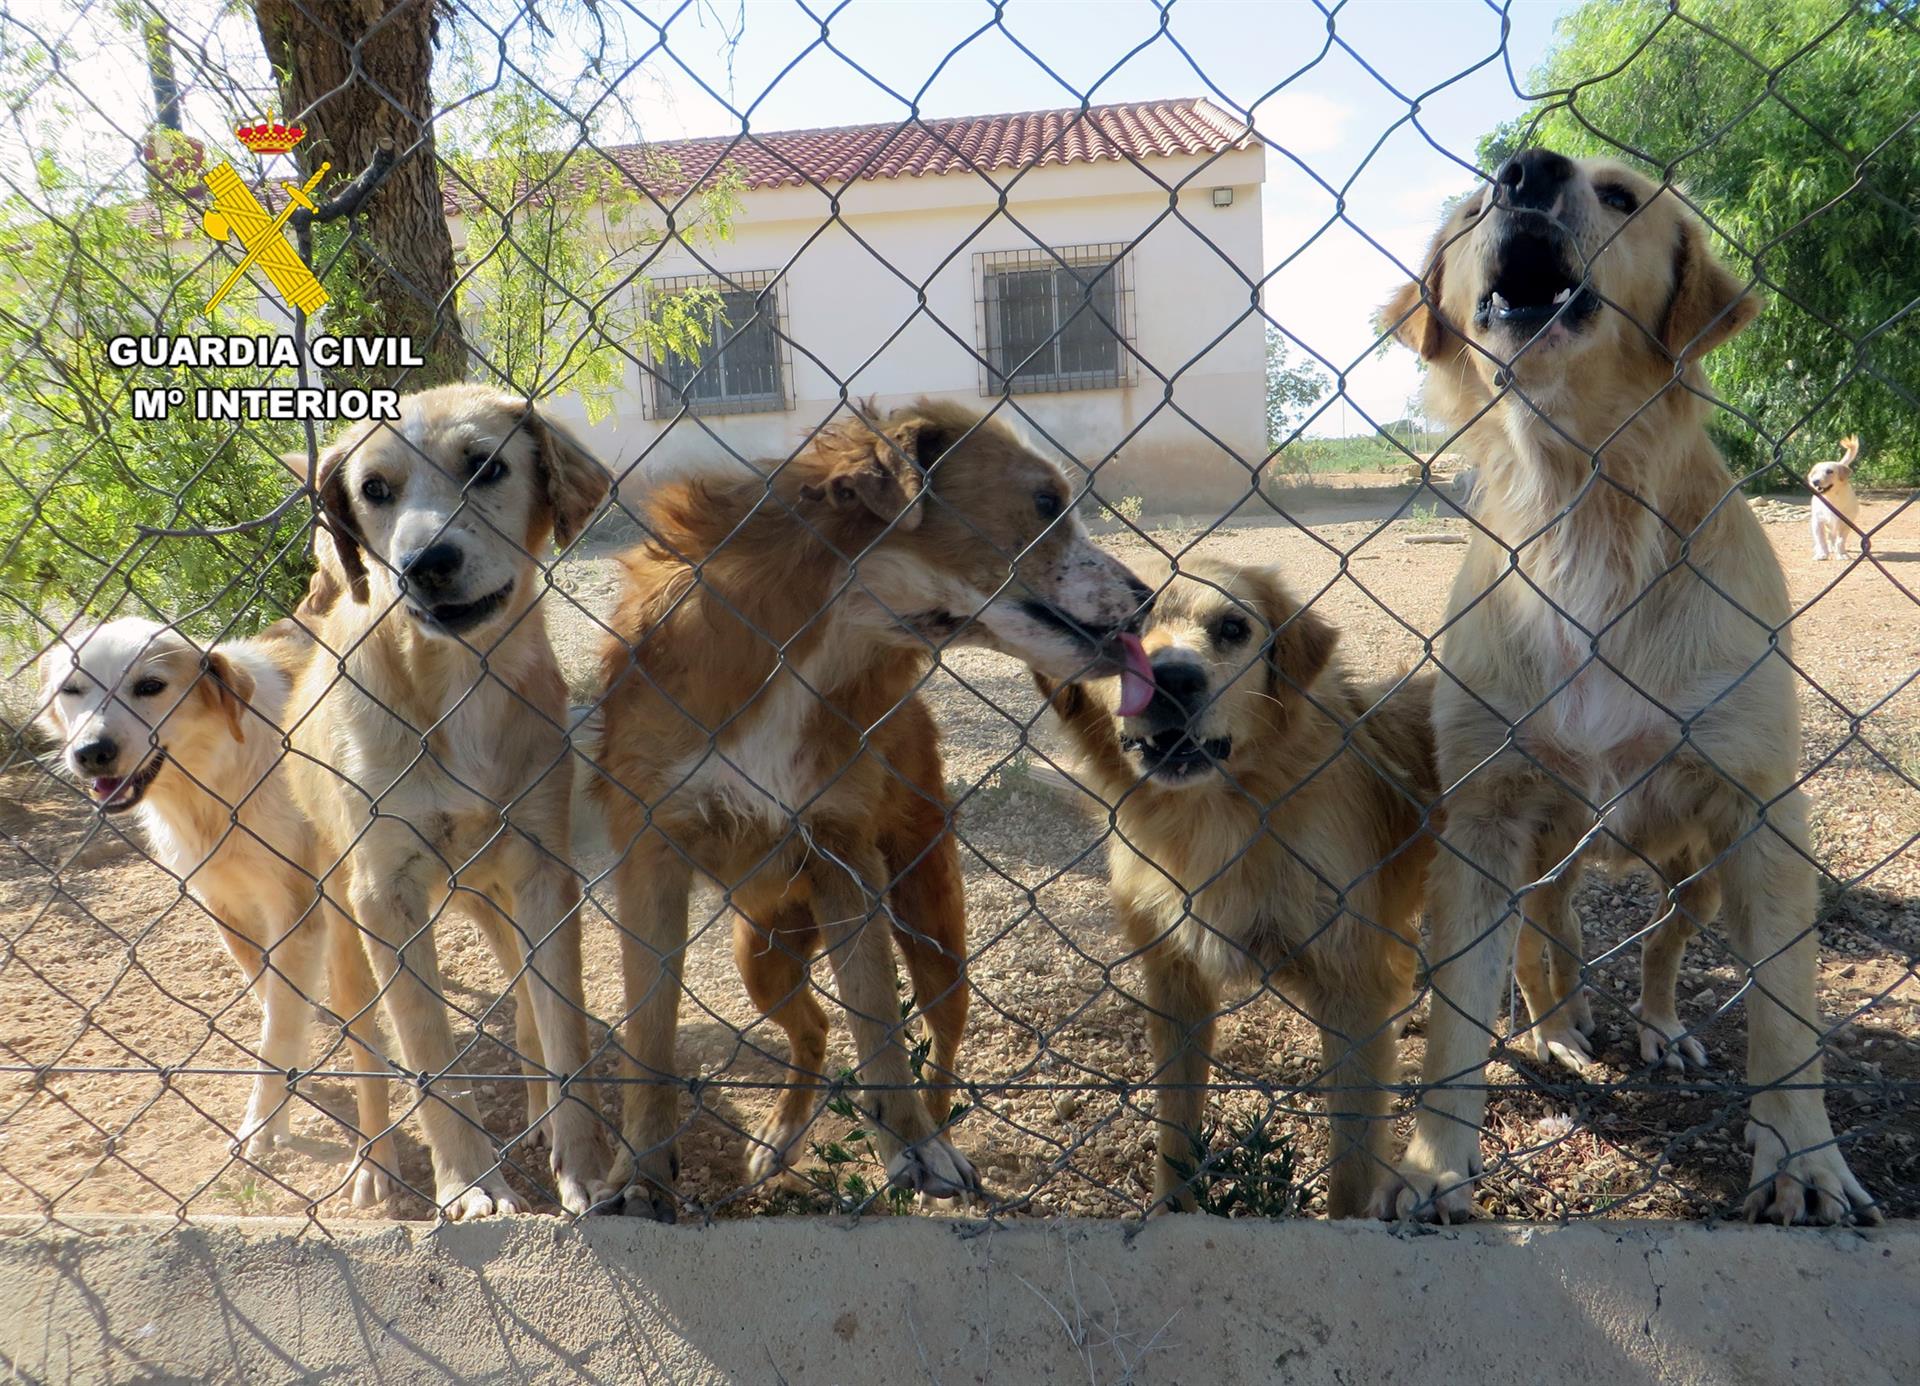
pixel 1374 110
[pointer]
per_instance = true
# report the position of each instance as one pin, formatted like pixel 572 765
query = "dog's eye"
pixel 376 490
pixel 1231 630
pixel 71 690
pixel 1620 198
pixel 149 687
pixel 486 468
pixel 1046 505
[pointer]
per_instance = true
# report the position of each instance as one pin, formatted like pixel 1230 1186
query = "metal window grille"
pixel 747 367
pixel 1055 319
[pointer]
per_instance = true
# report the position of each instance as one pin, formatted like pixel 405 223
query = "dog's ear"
pixel 324 587
pixel 1303 641
pixel 574 481
pixel 1709 304
pixel 1412 315
pixel 229 688
pixel 338 563
pixel 881 466
pixel 54 666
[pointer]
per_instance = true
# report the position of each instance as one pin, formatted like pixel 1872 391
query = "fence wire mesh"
pixel 365 854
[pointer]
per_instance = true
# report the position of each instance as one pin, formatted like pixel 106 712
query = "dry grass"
pixel 106 967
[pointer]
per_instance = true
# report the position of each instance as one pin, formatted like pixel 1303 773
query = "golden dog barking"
pixel 1627 692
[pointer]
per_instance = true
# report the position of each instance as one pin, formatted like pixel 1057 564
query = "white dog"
pixel 1834 515
pixel 189 742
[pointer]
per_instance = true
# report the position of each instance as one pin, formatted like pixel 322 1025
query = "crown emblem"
pixel 270 136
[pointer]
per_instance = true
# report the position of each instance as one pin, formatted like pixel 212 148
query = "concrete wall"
pixel 923 1299
pixel 843 305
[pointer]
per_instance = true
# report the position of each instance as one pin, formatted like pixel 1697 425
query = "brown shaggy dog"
pixel 760 728
pixel 1270 834
pixel 1616 645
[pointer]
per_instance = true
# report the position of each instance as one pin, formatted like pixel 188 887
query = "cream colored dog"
pixel 431 728
pixel 190 744
pixel 1834 513
pixel 1616 643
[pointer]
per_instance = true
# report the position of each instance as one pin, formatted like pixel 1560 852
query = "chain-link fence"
pixel 1061 783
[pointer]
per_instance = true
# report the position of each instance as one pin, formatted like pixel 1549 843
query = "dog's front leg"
pixel 1180 1015
pixel 1557 1007
pixel 653 883
pixel 353 997
pixel 1770 901
pixel 1663 1039
pixel 389 898
pixel 1491 840
pixel 858 945
pixel 546 906
pixel 511 955
pixel 283 1039
pixel 1358 1051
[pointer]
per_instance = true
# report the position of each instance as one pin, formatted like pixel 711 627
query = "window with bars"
pixel 1055 319
pixel 743 369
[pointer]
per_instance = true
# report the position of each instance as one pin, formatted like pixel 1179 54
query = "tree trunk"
pixel 399 261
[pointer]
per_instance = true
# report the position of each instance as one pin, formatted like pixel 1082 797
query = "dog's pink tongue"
pixel 1136 677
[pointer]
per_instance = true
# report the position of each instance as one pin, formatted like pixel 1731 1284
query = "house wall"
pixel 857 327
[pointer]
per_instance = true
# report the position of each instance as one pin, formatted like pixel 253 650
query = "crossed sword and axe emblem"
pixel 236 212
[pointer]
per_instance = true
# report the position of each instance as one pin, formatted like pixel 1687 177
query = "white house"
pixel 1104 262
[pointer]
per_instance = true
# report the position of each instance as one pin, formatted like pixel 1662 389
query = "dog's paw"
pixel 773 1144
pixel 1665 1042
pixel 489 1197
pixel 1419 1191
pixel 1814 1186
pixel 372 1185
pixel 934 1168
pixel 580 1196
pixel 262 1131
pixel 1557 1039
pixel 643 1199
pixel 537 1136
pixel 1579 1009
pixel 643 1186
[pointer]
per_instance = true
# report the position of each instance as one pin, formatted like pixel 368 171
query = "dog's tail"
pixel 1850 448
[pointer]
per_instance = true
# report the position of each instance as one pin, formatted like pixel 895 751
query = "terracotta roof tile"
pixel 928 148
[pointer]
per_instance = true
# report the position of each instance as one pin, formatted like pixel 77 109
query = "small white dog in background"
pixel 190 743
pixel 1834 514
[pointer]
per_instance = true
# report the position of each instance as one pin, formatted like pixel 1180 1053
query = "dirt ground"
pixel 124 1032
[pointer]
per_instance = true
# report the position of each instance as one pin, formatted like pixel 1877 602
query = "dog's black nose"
pixel 1181 680
pixel 1533 178
pixel 434 566
pixel 98 756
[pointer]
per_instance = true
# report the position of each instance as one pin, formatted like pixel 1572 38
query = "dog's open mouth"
pixel 118 793
pixel 454 617
pixel 1173 755
pixel 1535 285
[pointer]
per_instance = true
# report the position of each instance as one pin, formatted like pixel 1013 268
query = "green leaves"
pixel 560 244
pixel 1786 121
